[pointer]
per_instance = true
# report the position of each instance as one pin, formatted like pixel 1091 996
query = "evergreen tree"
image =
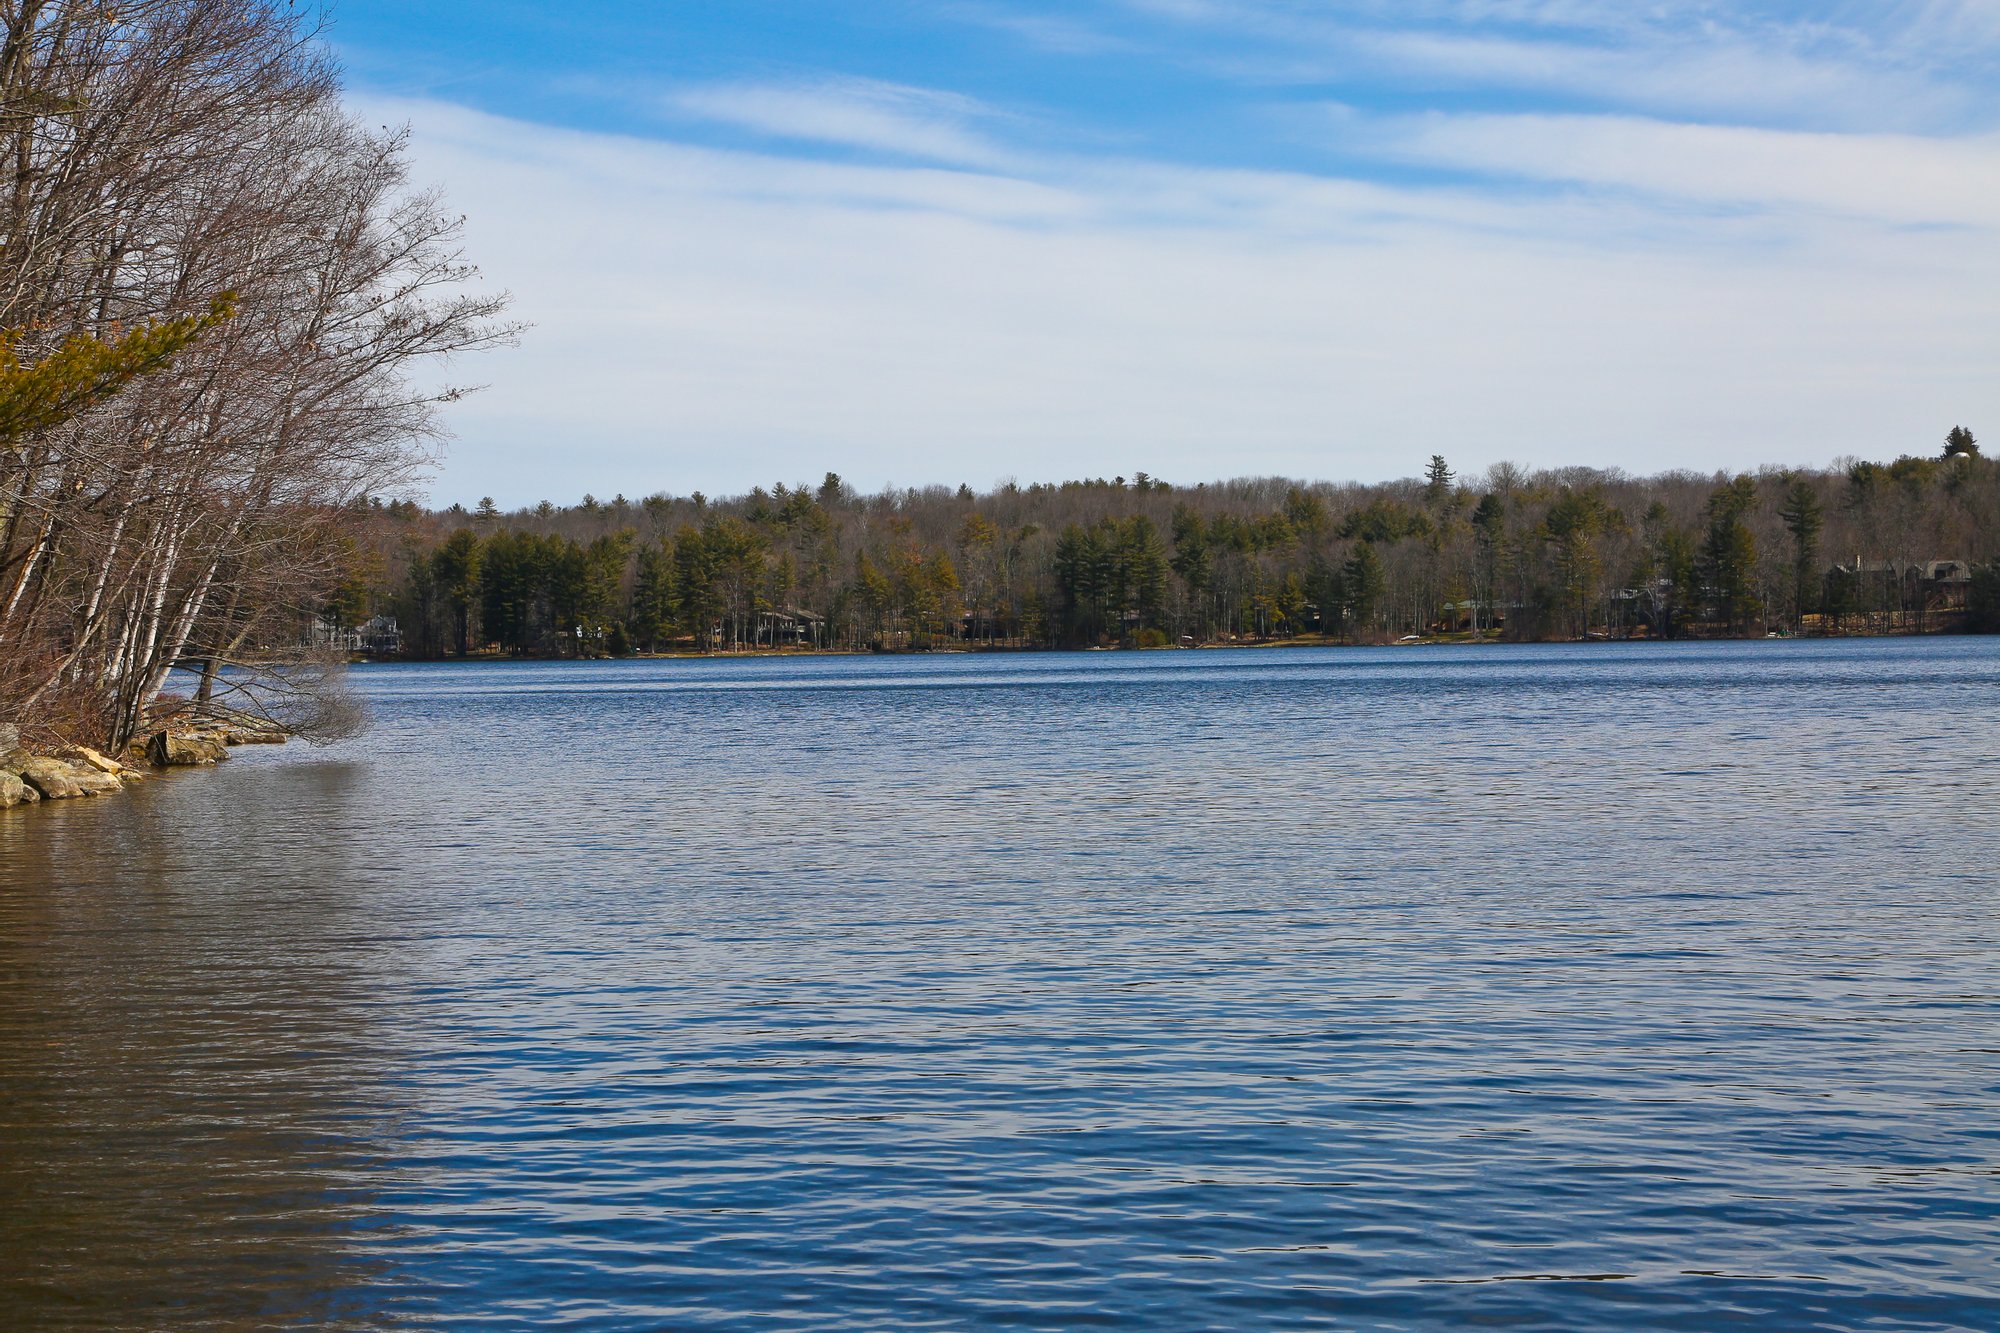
pixel 1982 602
pixel 514 579
pixel 1571 528
pixel 1668 571
pixel 698 603
pixel 455 573
pixel 736 553
pixel 1729 554
pixel 1192 563
pixel 1489 531
pixel 1437 481
pixel 873 590
pixel 1082 575
pixel 1364 581
pixel 653 594
pixel 1306 513
pixel 600 572
pixel 1145 560
pixel 1800 510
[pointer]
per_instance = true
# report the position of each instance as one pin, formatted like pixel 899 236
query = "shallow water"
pixel 1610 986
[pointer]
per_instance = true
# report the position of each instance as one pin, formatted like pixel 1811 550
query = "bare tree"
pixel 162 157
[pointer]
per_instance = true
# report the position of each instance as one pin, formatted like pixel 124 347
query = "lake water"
pixel 1580 987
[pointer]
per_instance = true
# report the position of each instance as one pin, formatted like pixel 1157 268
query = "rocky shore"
pixel 76 771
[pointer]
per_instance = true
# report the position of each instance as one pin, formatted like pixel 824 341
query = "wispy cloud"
pixel 1910 66
pixel 1567 230
pixel 1708 78
pixel 1898 179
pixel 855 113
pixel 711 318
pixel 1059 33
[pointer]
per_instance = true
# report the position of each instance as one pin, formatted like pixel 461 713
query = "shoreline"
pixel 1462 639
pixel 31 776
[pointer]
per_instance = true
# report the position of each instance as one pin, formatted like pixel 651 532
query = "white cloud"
pixel 1922 65
pixel 710 319
pixel 1058 33
pixel 1892 178
pixel 1714 75
pixel 1951 25
pixel 857 113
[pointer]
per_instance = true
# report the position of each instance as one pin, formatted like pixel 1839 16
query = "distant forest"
pixel 1908 546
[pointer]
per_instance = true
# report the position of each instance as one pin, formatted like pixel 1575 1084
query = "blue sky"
pixel 973 239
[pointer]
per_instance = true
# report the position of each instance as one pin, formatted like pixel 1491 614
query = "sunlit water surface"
pixel 1615 987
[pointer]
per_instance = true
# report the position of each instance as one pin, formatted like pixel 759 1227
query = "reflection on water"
pixel 193 1094
pixel 1586 987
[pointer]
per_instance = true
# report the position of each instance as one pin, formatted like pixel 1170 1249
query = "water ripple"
pixel 1582 987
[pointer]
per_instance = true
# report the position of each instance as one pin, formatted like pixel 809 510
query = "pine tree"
pixel 1489 530
pixel 455 571
pixel 1729 555
pixel 1437 481
pixel 653 594
pixel 1571 529
pixel 1145 561
pixel 1800 510
pixel 1364 581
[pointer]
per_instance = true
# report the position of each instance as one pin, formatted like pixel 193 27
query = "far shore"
pixel 1315 641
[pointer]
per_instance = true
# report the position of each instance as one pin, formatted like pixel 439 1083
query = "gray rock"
pixel 13 791
pixel 173 749
pixel 95 783
pixel 60 780
pixel 84 756
pixel 54 779
pixel 10 739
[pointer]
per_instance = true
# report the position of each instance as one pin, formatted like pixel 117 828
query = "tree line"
pixel 214 286
pixel 1905 546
